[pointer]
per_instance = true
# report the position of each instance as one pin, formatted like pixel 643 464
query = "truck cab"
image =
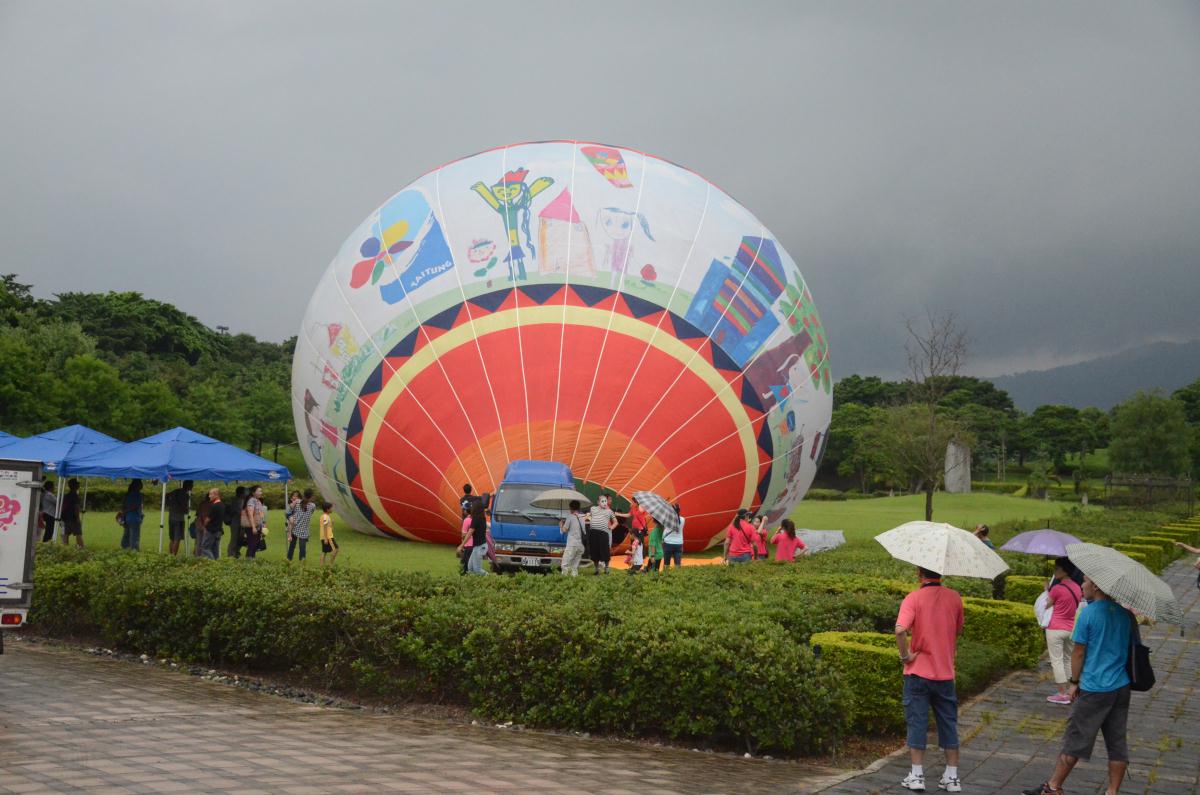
pixel 526 537
pixel 20 493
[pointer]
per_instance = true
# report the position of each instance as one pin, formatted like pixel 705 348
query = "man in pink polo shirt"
pixel 933 616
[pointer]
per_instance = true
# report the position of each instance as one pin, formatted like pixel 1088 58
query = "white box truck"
pixel 20 495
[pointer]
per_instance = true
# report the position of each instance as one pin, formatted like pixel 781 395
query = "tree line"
pixel 876 423
pixel 130 366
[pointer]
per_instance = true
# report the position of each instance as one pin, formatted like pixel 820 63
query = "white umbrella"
pixel 1126 581
pixel 559 499
pixel 942 548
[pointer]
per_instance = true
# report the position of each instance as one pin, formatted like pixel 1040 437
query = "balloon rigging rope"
pixel 637 209
pixel 474 332
pixel 383 418
pixel 562 332
pixel 685 368
pixel 632 379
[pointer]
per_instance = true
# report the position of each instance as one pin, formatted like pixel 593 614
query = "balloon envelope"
pixel 563 301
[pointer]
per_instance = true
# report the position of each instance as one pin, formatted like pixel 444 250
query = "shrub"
pixel 867 665
pixel 1006 626
pixel 1024 589
pixel 1152 554
pixel 1187 535
pixel 824 494
pixel 1166 545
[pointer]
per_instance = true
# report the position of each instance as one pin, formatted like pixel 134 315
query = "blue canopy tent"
pixel 7 438
pixel 58 449
pixel 179 454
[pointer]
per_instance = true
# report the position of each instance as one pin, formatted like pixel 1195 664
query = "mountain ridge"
pixel 1106 380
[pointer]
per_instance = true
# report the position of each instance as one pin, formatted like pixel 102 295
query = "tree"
pixel 125 322
pixel 1150 436
pixel 850 451
pixel 937 349
pixel 1189 396
pixel 212 412
pixel 868 391
pixel 267 411
pixel 914 450
pixel 152 408
pixel 26 404
pixel 91 392
pixel 1057 430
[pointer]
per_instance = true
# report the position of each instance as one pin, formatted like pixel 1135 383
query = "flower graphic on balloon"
pixel 8 511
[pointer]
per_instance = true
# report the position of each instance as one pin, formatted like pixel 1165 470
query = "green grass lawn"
pixel 861 519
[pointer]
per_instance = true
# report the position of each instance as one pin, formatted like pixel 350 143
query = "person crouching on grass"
pixel 328 545
pixel 1099 689
pixel 933 615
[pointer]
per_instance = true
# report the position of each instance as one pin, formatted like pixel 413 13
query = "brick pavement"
pixel 73 722
pixel 1011 736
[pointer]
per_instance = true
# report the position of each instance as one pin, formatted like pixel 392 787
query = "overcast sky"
pixel 1034 167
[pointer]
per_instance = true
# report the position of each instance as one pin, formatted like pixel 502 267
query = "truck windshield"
pixel 512 504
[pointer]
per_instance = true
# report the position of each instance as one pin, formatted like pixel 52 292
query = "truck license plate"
pixel 531 561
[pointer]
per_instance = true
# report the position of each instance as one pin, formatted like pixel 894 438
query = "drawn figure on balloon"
pixel 617 226
pixel 482 252
pixel 511 198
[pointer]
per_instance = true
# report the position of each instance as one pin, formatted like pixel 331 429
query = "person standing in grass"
pixel 738 540
pixel 572 528
pixel 655 548
pixel 600 519
pixel 49 506
pixel 233 518
pixel 479 542
pixel 302 517
pixel 210 519
pixel 179 504
pixel 672 542
pixel 328 545
pixel 786 542
pixel 1065 598
pixel 759 523
pixel 254 519
pixel 933 616
pixel 132 516
pixel 72 516
pixel 1099 688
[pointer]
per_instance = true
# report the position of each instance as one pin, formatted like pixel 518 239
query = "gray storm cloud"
pixel 1031 166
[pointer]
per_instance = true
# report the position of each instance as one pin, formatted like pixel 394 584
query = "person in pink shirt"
pixel 933 616
pixel 1065 597
pixel 738 539
pixel 786 542
pixel 759 523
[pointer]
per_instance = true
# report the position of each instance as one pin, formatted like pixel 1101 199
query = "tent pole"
pixel 161 513
pixel 58 509
pixel 83 509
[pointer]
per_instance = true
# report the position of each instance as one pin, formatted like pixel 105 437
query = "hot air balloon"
pixel 563 301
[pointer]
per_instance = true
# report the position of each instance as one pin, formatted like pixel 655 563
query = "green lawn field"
pixel 861 519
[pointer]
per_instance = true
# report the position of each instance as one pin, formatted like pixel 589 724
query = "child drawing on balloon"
pixel 482 251
pixel 617 226
pixel 510 197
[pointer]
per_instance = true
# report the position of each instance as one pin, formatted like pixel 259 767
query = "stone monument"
pixel 958 468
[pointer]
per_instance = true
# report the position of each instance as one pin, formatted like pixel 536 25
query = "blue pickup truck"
pixel 527 537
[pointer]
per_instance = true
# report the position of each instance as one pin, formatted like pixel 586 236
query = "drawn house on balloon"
pixel 565 245
pixel 733 304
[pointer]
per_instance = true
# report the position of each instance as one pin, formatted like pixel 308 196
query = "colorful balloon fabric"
pixel 565 301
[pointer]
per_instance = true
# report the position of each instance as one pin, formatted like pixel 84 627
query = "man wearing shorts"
pixel 1099 688
pixel 179 503
pixel 933 614
pixel 72 515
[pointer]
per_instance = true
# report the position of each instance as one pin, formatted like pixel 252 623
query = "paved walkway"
pixel 1011 736
pixel 73 722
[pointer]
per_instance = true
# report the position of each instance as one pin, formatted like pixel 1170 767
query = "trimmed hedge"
pixel 716 656
pixel 1167 545
pixel 1024 589
pixel 1151 553
pixel 1187 535
pixel 867 664
pixel 1009 627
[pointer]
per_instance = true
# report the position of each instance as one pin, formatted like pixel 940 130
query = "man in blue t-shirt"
pixel 1099 688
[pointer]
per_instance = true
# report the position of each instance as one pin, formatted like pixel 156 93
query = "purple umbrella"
pixel 1041 542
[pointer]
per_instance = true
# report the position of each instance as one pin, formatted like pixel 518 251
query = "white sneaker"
pixel 915 783
pixel 950 784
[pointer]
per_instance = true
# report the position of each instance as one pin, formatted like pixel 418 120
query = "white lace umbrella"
pixel 1126 581
pixel 560 499
pixel 943 548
